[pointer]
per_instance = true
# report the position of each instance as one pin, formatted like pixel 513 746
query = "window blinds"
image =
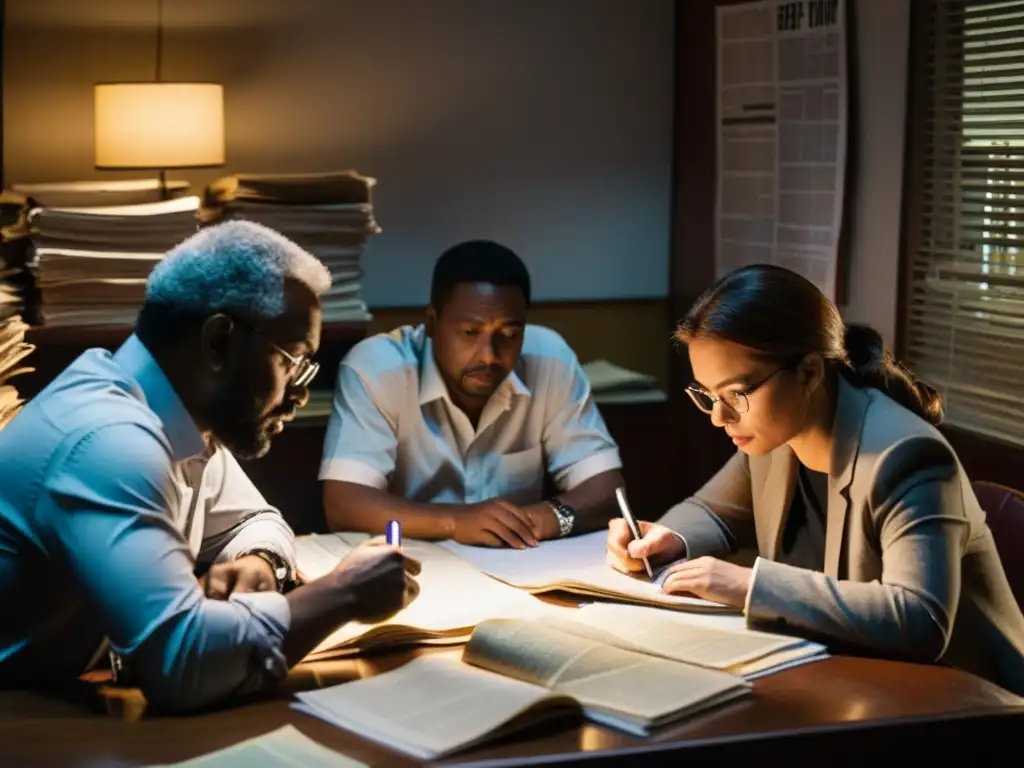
pixel 964 322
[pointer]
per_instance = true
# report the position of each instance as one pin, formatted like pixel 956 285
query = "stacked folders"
pixel 95 243
pixel 328 214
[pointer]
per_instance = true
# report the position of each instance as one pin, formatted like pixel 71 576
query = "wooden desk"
pixel 842 711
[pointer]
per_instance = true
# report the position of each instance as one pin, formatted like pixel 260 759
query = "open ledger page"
pixel 287 747
pixel 674 635
pixel 620 688
pixel 432 706
pixel 454 596
pixel 576 564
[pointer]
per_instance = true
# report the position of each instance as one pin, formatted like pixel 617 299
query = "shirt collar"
pixel 432 386
pixel 155 390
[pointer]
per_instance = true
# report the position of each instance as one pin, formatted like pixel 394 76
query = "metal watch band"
pixel 282 573
pixel 566 516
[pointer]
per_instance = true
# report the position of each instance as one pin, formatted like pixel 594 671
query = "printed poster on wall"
pixel 782 117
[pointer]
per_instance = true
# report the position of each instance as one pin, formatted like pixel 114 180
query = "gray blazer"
pixel 911 568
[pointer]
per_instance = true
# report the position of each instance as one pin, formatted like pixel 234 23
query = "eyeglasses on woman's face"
pixel 737 399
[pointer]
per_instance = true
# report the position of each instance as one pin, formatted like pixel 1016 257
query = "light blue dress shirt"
pixel 110 501
pixel 393 425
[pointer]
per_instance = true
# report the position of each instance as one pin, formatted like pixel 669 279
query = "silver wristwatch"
pixel 282 573
pixel 565 515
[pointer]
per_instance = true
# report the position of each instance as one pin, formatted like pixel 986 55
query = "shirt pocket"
pixel 520 476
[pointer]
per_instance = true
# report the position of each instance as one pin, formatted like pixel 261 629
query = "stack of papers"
pixel 328 214
pixel 91 263
pixel 454 598
pixel 88 194
pixel 716 642
pixel 611 383
pixel 16 282
pixel 13 351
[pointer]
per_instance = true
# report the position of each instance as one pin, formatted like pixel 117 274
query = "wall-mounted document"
pixel 578 565
pixel 782 121
pixel 513 673
pixel 454 597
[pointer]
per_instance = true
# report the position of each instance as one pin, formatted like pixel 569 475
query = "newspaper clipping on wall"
pixel 782 136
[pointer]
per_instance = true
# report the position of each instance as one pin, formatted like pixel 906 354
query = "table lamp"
pixel 158 125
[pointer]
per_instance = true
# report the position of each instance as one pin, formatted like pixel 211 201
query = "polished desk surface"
pixel 836 695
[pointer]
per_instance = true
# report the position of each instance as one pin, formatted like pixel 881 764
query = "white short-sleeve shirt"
pixel 393 425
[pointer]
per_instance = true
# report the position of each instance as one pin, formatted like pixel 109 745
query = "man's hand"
pixel 250 573
pixel 380 579
pixel 711 579
pixel 545 522
pixel 658 544
pixel 495 523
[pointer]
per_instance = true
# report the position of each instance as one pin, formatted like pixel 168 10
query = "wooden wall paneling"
pixel 698 448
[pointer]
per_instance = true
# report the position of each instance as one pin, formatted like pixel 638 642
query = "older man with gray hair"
pixel 119 490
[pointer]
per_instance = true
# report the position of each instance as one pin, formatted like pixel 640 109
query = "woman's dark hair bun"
pixel 874 366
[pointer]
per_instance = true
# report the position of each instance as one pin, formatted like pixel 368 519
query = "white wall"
pixel 883 29
pixel 545 124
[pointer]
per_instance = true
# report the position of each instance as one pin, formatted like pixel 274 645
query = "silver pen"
pixel 620 495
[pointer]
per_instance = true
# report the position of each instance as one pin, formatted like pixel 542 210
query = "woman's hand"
pixel 711 579
pixel 659 545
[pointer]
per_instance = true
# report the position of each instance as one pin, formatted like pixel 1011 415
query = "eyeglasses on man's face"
pixel 301 370
pixel 735 400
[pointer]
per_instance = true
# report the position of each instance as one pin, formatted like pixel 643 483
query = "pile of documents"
pixel 630 667
pixel 511 674
pixel 328 214
pixel 612 383
pixel 17 292
pixel 93 252
pixel 13 351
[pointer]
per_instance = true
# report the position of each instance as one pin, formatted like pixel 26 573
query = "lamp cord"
pixel 159 38
pixel 159 66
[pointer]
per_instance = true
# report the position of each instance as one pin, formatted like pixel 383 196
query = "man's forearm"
pixel 593 500
pixel 355 507
pixel 317 609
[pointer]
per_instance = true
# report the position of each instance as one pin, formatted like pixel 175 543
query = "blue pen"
pixel 393 534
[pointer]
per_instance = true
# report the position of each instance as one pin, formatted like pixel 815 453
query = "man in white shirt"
pixel 450 427
pixel 118 488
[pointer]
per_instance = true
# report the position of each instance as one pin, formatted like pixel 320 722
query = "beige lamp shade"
pixel 159 125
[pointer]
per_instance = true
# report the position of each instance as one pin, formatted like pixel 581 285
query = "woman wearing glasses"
pixel 867 529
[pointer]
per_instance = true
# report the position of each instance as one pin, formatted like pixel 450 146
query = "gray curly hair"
pixel 237 267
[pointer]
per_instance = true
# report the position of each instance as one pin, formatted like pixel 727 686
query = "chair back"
pixel 1004 508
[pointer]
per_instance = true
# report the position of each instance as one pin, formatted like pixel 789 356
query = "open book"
pixel 454 597
pixel 513 673
pixel 576 564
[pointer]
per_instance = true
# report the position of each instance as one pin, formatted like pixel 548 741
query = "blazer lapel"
pixel 776 499
pixel 851 404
